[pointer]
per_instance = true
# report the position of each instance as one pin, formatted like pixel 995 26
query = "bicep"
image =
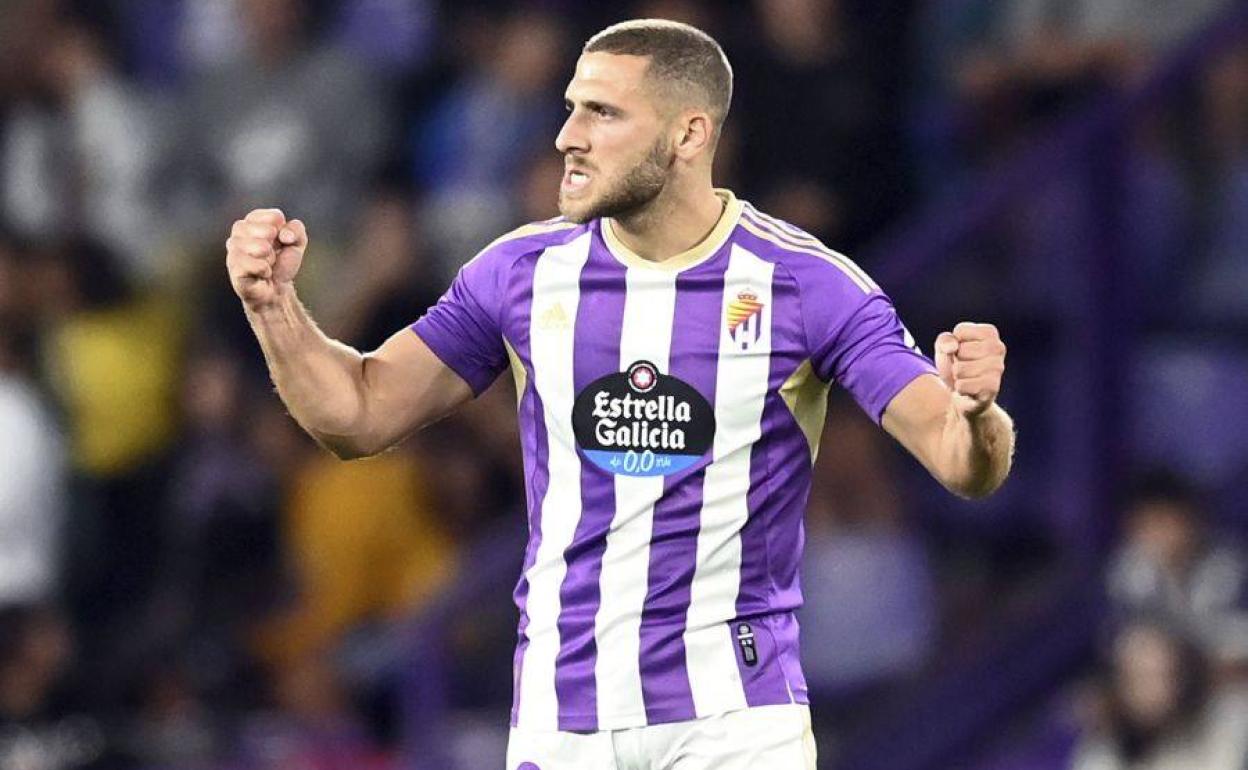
pixel 915 417
pixel 407 387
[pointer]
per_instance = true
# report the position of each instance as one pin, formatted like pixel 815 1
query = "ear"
pixel 695 136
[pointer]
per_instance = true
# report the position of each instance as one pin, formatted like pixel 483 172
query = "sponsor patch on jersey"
pixel 641 422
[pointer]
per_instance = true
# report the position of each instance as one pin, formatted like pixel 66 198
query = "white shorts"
pixel 759 738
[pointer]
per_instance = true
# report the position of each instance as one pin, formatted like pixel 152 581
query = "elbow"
pixel 976 486
pixel 974 491
pixel 347 453
pixel 348 447
pixel 346 439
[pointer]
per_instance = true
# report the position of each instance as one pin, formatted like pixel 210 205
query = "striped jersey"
pixel 669 416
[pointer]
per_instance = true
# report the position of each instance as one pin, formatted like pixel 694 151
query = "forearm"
pixel 320 380
pixel 975 451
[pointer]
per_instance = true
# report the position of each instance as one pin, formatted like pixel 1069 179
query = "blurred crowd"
pixel 187 581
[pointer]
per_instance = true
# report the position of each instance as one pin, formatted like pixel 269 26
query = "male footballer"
pixel 672 348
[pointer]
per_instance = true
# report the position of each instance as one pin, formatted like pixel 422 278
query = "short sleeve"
pixel 463 329
pixel 864 347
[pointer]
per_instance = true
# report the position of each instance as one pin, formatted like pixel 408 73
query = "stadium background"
pixel 187 582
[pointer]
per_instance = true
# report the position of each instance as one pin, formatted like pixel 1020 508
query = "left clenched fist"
pixel 971 361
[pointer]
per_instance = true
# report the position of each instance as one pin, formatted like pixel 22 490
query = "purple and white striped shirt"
pixel 670 414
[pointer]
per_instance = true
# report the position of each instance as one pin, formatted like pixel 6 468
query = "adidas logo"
pixel 553 318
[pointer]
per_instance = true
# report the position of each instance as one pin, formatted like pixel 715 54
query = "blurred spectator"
pixel 119 415
pixel 842 184
pixel 364 543
pixel 311 725
pixel 1057 231
pixel 476 143
pixel 220 562
pixel 171 725
pixel 945 32
pixel 1158 711
pixel 292 123
pixel 42 724
pixel 385 280
pixel 32 486
pixel 869 614
pixel 537 192
pixel 688 11
pixel 210 34
pixel 120 420
pixel 1171 565
pixel 223 494
pixel 487 435
pixel 1084 32
pixel 32 453
pixel 394 36
pixel 1046 51
pixel 1222 281
pixel 80 150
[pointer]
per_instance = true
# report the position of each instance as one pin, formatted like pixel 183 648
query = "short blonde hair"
pixel 680 55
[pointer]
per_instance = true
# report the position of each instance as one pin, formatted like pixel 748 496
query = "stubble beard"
pixel 640 185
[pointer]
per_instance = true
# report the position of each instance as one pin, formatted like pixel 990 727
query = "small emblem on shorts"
pixel 528 766
pixel 745 639
pixel 745 319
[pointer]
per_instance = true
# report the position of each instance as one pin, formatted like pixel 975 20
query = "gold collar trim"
pixel 688 258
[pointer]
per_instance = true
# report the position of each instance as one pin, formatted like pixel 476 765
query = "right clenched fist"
pixel 263 254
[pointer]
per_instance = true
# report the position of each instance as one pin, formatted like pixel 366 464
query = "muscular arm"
pixel 353 404
pixel 953 424
pixel 969 454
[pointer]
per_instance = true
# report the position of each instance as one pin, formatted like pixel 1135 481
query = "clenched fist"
pixel 263 254
pixel 971 361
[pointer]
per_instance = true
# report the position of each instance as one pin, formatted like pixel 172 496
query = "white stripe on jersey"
pixel 649 310
pixel 740 390
pixel 556 282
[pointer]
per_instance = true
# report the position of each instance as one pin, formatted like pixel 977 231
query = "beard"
pixel 637 187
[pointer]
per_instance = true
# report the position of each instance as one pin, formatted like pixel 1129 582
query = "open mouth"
pixel 574 180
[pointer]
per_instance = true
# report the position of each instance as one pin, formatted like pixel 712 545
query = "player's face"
pixel 617 155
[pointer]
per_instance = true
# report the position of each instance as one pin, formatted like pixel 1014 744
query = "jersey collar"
pixel 688 258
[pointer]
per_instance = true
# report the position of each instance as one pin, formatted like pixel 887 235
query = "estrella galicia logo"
pixel 641 422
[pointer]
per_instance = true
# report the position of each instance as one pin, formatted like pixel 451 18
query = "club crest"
pixel 745 316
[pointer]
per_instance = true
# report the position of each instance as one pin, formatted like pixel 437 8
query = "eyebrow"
pixel 593 104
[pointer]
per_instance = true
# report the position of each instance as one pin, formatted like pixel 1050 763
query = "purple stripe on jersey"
pixel 795 238
pixel 784 632
pixel 776 676
pixel 772 538
pixel 535 447
pixel 599 318
pixel 677 515
pixel 773 228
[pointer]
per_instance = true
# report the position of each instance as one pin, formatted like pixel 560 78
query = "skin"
pixel 648 158
pixel 647 151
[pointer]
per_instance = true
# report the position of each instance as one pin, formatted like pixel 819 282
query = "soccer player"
pixel 672 348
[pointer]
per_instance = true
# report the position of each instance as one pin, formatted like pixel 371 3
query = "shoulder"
pixel 526 240
pixel 811 264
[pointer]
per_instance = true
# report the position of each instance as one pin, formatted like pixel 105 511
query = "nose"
pixel 572 137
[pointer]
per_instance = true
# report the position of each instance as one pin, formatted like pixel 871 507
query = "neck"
pixel 674 222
